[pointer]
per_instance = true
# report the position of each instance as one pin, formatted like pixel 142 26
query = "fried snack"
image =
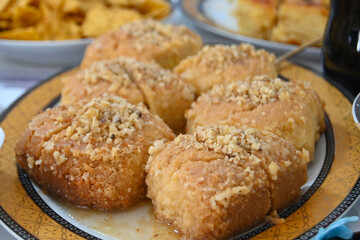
pixel 52 26
pixel 156 9
pixel 291 110
pixel 222 180
pixel 72 19
pixel 145 41
pixel 28 33
pixel 256 18
pixel 101 77
pixel 100 20
pixel 224 64
pixel 92 154
pixel 300 21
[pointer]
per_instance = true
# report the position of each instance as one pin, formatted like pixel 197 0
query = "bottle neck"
pixel 345 8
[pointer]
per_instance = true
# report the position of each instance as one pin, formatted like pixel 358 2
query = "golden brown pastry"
pixel 289 109
pixel 101 77
pixel 222 180
pixel 219 64
pixel 146 41
pixel 91 154
pixel 163 92
pixel 300 21
pixel 256 18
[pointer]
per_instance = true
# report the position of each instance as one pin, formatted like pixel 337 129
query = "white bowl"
pixel 50 53
pixel 356 109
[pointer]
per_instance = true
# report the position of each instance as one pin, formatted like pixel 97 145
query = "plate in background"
pixel 215 16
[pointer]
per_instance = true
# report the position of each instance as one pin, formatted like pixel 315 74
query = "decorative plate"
pixel 333 185
pixel 215 16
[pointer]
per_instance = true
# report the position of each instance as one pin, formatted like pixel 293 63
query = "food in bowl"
pixel 72 19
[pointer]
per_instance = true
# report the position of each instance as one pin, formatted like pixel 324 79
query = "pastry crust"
pixel 101 77
pixel 146 41
pixel 165 93
pixel 289 109
pixel 162 91
pixel 205 185
pixel 300 21
pixel 92 154
pixel 220 64
pixel 256 18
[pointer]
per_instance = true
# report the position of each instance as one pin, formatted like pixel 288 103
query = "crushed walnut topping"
pixel 237 148
pixel 218 57
pixel 260 90
pixel 153 76
pixel 235 143
pixel 157 146
pixel 152 32
pixel 106 71
pixel 105 120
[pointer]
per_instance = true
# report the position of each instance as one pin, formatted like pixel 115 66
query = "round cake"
pixel 289 109
pixel 146 41
pixel 223 180
pixel 92 154
pixel 100 78
pixel 218 64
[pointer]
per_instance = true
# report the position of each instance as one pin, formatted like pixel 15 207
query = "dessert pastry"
pixel 92 154
pixel 222 180
pixel 101 77
pixel 256 18
pixel 289 109
pixel 163 92
pixel 287 21
pixel 224 64
pixel 145 41
pixel 300 21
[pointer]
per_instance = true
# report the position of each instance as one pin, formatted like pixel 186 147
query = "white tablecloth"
pixel 17 77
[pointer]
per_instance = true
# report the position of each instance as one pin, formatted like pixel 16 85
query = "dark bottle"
pixel 341 47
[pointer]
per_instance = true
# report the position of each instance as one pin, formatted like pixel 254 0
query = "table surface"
pixel 17 77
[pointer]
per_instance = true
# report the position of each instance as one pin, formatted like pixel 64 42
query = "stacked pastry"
pixel 291 110
pixel 248 137
pixel 163 92
pixel 245 155
pixel 287 21
pixel 92 149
